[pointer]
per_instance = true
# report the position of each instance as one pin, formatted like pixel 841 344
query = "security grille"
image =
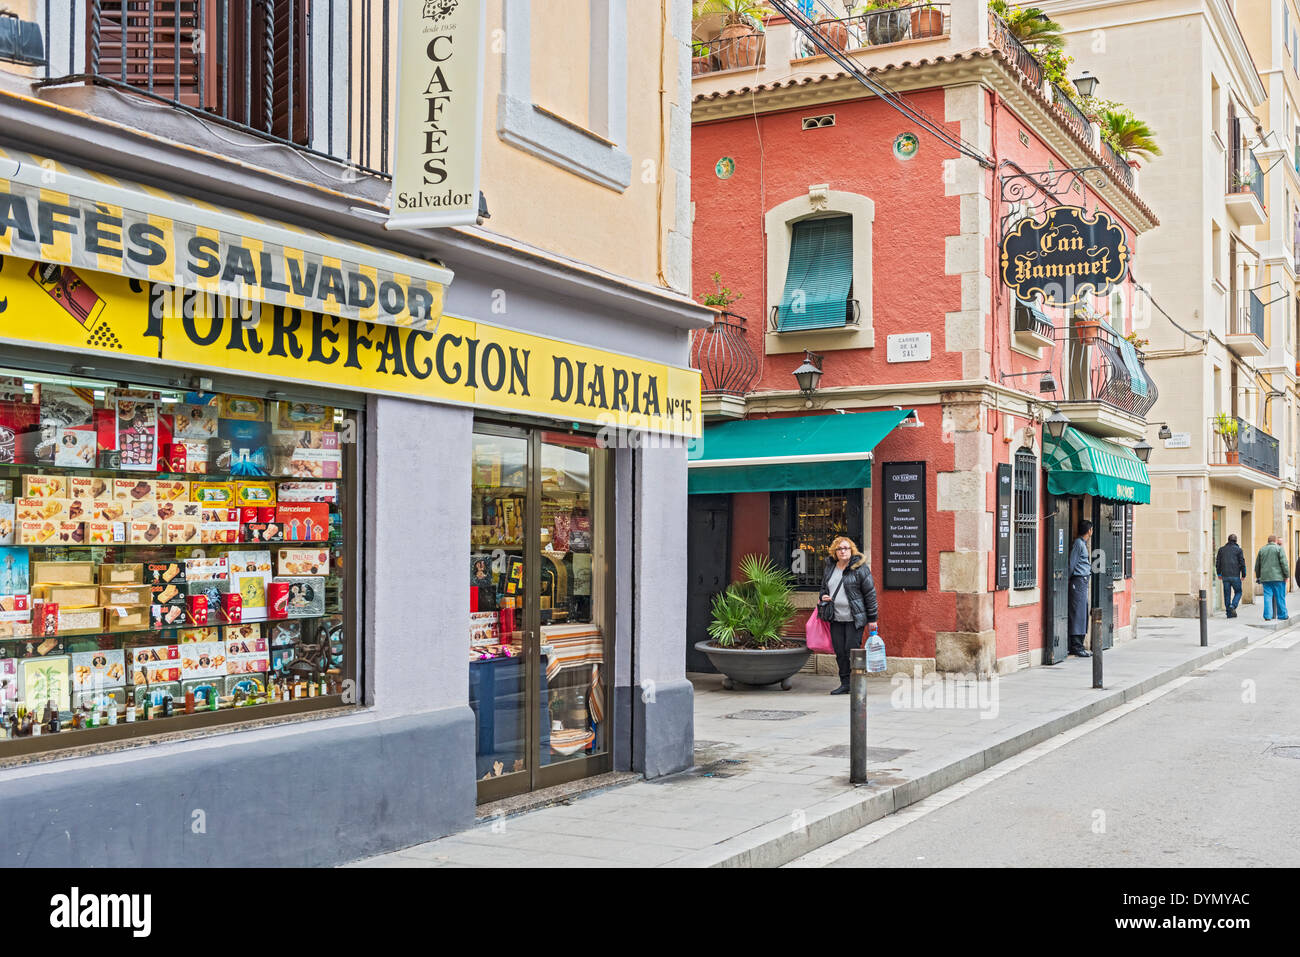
pixel 1116 556
pixel 1026 522
pixel 818 517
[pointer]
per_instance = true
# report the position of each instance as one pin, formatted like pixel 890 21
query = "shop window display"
pixel 164 554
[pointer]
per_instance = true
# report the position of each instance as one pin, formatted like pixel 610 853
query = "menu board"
pixel 903 501
pixel 1003 551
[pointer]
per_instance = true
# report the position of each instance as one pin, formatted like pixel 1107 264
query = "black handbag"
pixel 826 609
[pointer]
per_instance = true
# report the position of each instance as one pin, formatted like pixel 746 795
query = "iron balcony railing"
pixel 722 353
pixel 1249 318
pixel 1246 175
pixel 733 51
pixel 1000 36
pixel 852 317
pixel 1116 162
pixel 317 75
pixel 1089 366
pixel 1250 446
pixel 1075 116
pixel 876 28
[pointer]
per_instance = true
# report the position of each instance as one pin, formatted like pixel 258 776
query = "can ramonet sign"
pixel 1064 256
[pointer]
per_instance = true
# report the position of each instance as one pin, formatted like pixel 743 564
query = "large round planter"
pixel 834 32
pixel 739 45
pixel 886 27
pixel 749 666
pixel 927 23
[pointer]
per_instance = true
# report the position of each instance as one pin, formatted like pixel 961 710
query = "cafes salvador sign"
pixel 1064 256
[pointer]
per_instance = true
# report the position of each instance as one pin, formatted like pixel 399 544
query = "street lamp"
pixel 1086 84
pixel 1056 424
pixel 1143 451
pixel 1165 432
pixel 809 375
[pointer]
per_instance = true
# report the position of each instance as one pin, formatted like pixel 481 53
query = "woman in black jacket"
pixel 847 584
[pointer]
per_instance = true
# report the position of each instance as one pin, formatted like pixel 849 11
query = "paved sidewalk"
pixel 771 776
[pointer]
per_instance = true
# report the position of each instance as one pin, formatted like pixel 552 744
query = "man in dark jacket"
pixel 1230 566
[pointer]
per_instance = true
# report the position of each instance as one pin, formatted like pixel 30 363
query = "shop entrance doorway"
pixel 708 569
pixel 1057 605
pixel 541 625
pixel 1107 556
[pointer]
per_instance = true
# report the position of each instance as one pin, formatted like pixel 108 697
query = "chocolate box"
pixel 145 533
pixel 124 594
pixel 165 573
pixel 42 509
pixel 219 533
pixel 108 510
pixel 213 493
pixel 306 596
pixel 45 486
pixel 36 533
pixel 126 617
pixel 63 573
pixel 105 533
pixel 166 616
pixel 257 494
pixel 71 533
pixel 121 574
pixel 171 490
pixel 68 596
pixel 304 521
pixel 302 561
pixel 184 532
pixel 134 490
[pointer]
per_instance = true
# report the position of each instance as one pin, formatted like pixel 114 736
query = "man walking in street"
pixel 1271 572
pixel 1230 566
pixel 1080 589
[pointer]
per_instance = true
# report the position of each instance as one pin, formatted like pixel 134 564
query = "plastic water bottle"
pixel 875 652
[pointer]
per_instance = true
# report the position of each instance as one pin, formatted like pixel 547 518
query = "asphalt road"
pixel 1192 779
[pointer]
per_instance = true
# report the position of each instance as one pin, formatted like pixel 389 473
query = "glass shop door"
pixel 540 640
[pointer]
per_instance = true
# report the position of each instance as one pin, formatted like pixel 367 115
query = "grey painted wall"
pixel 417 545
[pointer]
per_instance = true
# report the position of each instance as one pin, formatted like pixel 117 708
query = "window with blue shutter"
pixel 819 278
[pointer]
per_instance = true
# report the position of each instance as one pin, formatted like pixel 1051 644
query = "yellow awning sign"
pixel 68 216
pixel 461 362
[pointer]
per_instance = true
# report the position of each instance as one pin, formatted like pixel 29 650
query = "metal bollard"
pixel 1205 619
pixel 857 716
pixel 1096 648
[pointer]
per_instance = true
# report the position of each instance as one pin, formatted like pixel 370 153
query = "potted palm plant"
pixel 746 635
pixel 1132 138
pixel 926 20
pixel 1225 426
pixel 740 42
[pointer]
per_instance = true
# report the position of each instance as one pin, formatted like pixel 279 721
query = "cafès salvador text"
pixel 461 361
pixel 434 147
pixel 150 247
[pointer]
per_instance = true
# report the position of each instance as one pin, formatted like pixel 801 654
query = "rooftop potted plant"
pixel 721 298
pixel 833 30
pixel 884 21
pixel 927 20
pixel 1029 25
pixel 740 42
pixel 746 635
pixel 701 58
pixel 1132 138
pixel 1225 426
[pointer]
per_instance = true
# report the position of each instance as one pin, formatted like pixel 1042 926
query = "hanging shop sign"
pixel 437 138
pixel 1064 256
pixel 904 548
pixel 68 216
pixel 463 361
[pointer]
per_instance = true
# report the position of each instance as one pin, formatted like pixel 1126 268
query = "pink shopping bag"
pixel 818 634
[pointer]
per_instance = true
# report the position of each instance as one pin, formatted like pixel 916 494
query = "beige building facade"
pixel 1219 273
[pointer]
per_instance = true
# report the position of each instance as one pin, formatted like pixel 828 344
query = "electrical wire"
pixel 805 25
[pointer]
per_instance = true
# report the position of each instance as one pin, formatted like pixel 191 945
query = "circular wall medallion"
pixel 906 145
pixel 725 167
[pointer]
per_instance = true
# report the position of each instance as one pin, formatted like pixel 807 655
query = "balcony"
pixel 1245 197
pixel 727 364
pixel 1249 459
pixel 735 48
pixel 922 21
pixel 1246 330
pixel 318 78
pixel 1102 383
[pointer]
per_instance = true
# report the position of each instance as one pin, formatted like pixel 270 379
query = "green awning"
pixel 789 454
pixel 1081 464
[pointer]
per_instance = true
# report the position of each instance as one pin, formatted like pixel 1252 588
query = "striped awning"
pixel 69 216
pixel 1082 464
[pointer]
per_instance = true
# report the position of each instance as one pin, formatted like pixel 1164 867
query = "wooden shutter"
pixel 158 45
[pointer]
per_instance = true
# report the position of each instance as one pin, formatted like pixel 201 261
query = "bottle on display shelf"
pixel 313 688
pixel 92 716
pixel 130 712
pixel 168 706
pixel 213 702
pixel 112 709
pixel 189 701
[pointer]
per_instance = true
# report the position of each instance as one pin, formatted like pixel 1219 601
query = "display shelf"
pixel 291 544
pixel 11 468
pixel 67 637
